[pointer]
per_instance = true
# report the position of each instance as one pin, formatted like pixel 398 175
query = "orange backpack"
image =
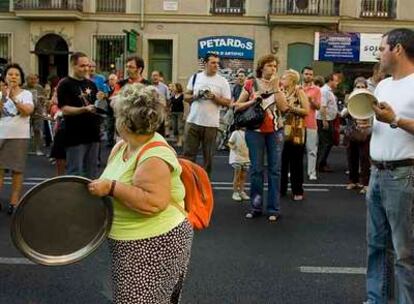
pixel 198 199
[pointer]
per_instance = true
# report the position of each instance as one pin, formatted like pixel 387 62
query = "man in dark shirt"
pixel 76 97
pixel 238 86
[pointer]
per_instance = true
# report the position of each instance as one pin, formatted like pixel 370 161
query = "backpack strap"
pixel 194 80
pixel 155 144
pixel 255 85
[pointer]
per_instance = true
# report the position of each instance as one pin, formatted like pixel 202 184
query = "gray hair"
pixel 138 109
pixel 360 80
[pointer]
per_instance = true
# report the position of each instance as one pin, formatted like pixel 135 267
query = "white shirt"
pixel 13 125
pixel 328 100
pixel 204 112
pixel 239 153
pixel 389 144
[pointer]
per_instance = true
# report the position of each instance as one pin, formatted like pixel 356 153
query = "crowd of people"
pixel 301 119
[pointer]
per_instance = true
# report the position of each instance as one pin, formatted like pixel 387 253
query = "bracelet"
pixel 111 191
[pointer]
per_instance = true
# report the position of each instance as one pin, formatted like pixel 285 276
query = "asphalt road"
pixel 235 260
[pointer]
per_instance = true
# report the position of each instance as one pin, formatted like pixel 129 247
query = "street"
pixel 315 253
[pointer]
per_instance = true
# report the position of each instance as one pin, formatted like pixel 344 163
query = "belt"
pixel 391 165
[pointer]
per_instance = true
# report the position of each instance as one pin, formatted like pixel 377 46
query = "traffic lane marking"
pixel 333 270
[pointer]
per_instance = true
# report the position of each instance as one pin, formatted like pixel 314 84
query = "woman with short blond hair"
pixel 150 238
pixel 295 130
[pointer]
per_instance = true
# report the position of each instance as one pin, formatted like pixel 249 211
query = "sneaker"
pixel 298 198
pixel 273 218
pixel 351 186
pixel 313 178
pixel 244 196
pixel 39 153
pixel 236 197
pixel 364 190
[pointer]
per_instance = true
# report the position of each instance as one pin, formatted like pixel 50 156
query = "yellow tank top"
pixel 130 225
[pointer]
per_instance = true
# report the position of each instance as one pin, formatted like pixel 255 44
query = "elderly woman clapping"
pixel 295 130
pixel 16 105
pixel 150 239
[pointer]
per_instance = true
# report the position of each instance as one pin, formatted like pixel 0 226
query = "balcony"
pixel 110 6
pixel 49 9
pixel 227 7
pixel 378 9
pixel 304 11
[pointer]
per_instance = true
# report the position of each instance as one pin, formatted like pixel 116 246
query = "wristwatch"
pixel 394 123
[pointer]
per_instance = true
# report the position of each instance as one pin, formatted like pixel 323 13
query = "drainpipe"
pixel 142 14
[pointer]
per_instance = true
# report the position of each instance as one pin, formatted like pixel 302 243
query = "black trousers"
pixel 292 161
pixel 325 143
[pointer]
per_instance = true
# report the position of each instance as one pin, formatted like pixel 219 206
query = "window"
pixel 378 8
pixel 4 5
pixel 109 54
pixel 5 48
pixel 227 7
pixel 114 6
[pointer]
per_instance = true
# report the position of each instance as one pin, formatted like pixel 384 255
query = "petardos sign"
pixel 227 47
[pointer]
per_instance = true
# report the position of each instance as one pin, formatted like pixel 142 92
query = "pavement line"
pixel 247 188
pixel 306 185
pixel 25 183
pixel 16 261
pixel 333 270
pixel 29 178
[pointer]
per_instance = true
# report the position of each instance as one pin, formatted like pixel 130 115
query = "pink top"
pixel 314 94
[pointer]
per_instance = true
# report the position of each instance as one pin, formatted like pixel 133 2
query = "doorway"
pixel 160 57
pixel 53 56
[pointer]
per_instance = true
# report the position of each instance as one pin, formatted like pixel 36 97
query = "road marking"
pixel 333 270
pixel 30 178
pixel 16 261
pixel 265 189
pixel 306 185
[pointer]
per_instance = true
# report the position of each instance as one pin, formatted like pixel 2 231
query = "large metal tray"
pixel 58 222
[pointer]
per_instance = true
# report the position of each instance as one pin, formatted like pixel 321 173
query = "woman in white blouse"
pixel 16 105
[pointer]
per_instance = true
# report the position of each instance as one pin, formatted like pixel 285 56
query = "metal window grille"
pixel 227 6
pixel 378 8
pixel 48 4
pixel 109 53
pixel 114 6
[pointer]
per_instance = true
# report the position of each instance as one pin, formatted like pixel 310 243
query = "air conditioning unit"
pixel 307 7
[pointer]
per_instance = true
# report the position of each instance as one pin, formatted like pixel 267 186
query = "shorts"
pixel 239 166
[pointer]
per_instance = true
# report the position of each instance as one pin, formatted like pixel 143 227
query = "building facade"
pixel 173 34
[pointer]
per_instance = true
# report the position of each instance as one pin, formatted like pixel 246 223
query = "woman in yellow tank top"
pixel 150 239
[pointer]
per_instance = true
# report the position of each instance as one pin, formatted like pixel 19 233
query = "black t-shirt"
pixel 237 89
pixel 83 128
pixel 177 103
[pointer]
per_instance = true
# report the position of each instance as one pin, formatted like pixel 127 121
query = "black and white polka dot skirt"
pixel 151 271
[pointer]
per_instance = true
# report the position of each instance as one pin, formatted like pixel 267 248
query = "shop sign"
pixel 347 47
pixel 370 47
pixel 337 47
pixel 227 47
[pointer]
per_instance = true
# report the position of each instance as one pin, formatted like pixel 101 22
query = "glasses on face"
pixel 360 87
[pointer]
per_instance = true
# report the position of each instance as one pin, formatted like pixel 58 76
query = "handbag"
pixel 294 126
pixel 252 117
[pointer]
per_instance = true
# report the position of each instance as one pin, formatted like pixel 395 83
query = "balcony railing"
pixel 74 5
pixel 378 8
pixel 111 6
pixel 227 7
pixel 305 7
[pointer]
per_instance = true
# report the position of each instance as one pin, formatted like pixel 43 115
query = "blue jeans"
pixel 390 218
pixel 82 160
pixel 258 143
